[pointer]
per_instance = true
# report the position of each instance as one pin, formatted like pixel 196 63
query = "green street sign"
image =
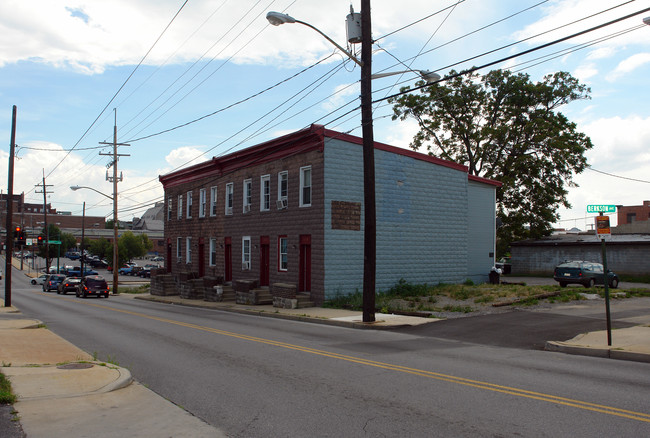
pixel 599 208
pixel 54 242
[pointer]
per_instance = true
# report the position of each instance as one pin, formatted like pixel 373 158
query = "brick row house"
pixel 290 212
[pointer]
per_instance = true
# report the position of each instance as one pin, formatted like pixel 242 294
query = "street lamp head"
pixel 278 18
pixel 74 188
pixel 646 20
pixel 429 76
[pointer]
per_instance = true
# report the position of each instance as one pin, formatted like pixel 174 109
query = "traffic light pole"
pixel 10 211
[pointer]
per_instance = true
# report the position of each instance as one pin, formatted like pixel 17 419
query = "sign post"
pixel 603 231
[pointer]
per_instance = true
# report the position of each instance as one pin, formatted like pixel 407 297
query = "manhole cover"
pixel 75 366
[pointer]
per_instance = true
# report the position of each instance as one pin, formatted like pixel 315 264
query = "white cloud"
pixel 628 65
pixel 184 156
pixel 586 71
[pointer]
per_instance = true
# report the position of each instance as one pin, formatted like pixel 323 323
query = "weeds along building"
pixel 290 212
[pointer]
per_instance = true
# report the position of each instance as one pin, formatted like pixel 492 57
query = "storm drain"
pixel 75 366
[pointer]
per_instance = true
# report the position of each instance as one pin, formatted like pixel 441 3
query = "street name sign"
pixel 596 208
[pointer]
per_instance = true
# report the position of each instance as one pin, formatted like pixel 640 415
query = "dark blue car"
pixel 52 282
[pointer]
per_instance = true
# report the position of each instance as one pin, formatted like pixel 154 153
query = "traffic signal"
pixel 19 236
pixel 40 240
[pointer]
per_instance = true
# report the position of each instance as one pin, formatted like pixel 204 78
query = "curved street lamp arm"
pixel 73 188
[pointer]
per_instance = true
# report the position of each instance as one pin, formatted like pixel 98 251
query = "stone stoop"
pixel 304 300
pixel 228 294
pixel 254 296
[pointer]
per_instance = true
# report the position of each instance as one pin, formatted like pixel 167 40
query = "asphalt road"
pixel 264 377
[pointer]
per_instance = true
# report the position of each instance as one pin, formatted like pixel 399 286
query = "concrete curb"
pixel 612 353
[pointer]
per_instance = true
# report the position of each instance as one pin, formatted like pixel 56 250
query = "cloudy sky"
pixel 186 81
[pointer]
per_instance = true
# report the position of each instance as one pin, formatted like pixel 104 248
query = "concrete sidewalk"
pixel 62 391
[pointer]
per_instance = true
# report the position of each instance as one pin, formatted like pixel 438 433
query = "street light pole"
pixel 115 246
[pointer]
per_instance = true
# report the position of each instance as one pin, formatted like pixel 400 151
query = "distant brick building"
pixel 628 214
pixel 290 212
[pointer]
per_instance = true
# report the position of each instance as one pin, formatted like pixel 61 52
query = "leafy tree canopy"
pixel 504 127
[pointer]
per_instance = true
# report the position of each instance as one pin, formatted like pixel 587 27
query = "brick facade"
pixel 627 214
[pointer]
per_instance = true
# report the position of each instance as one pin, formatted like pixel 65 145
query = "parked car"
pixel 585 273
pixel 52 282
pixel 40 279
pixel 69 284
pixel 76 272
pixel 73 255
pixel 157 259
pixel 93 285
pixel 146 271
pixel 128 270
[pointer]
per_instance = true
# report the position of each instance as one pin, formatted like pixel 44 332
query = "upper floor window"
pixel 248 195
pixel 229 198
pixel 213 201
pixel 265 192
pixel 283 190
pixel 202 203
pixel 305 186
pixel 180 206
pixel 169 209
pixel 189 205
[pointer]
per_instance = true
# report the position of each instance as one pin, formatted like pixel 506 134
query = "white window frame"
pixel 303 186
pixel 246 253
pixel 189 204
pixel 247 195
pixel 213 201
pixel 180 207
pixel 229 198
pixel 202 203
pixel 179 248
pixel 283 177
pixel 283 257
pixel 213 252
pixel 170 208
pixel 188 250
pixel 265 193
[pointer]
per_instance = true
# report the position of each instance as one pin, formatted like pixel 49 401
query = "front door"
pixel 227 259
pixel 265 251
pixel 304 280
pixel 168 259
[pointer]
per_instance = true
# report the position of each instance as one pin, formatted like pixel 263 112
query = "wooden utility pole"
pixel 47 229
pixel 370 217
pixel 10 211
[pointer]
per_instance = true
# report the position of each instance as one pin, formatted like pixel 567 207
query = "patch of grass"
pixel 461 309
pixel 7 397
pixel 142 289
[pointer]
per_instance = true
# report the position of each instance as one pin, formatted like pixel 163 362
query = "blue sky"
pixel 61 63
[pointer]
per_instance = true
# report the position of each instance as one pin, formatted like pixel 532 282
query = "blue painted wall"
pixel 482 229
pixel 422 220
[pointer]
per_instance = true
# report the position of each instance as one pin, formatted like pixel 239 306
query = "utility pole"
pixel 114 179
pixel 47 229
pixel 370 217
pixel 10 210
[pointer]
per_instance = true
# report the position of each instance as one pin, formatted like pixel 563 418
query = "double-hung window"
pixel 180 206
pixel 283 256
pixel 169 209
pixel 189 205
pixel 246 253
pixel 305 186
pixel 179 248
pixel 188 250
pixel 202 203
pixel 213 251
pixel 229 198
pixel 248 195
pixel 265 193
pixel 283 185
pixel 213 201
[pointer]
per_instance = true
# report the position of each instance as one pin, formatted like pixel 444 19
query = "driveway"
pixel 548 281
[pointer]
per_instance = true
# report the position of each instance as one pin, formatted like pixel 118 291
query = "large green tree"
pixel 505 127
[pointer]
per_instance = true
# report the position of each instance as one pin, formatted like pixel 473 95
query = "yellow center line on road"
pixel 609 410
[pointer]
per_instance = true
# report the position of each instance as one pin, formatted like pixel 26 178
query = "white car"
pixel 40 279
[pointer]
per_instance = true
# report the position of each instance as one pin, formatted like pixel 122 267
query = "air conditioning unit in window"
pixel 229 210
pixel 245 266
pixel 247 208
pixel 282 203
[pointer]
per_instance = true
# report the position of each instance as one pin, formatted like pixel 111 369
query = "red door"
pixel 227 259
pixel 265 251
pixel 304 279
pixel 201 258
